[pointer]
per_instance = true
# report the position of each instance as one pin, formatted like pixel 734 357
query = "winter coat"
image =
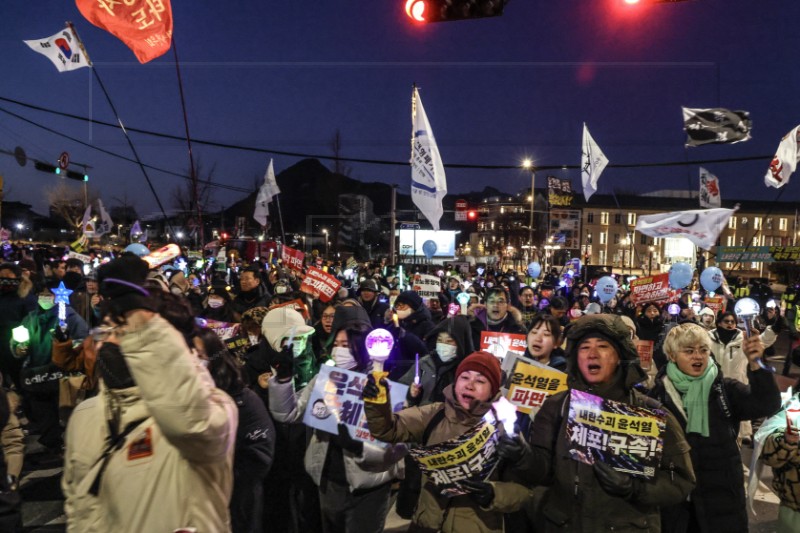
pixel 376 465
pixel 172 464
pixel 719 497
pixel 254 452
pixel 258 297
pixel 480 323
pixel 575 500
pixel 40 325
pixel 459 514
pixel 376 310
pixel 785 462
pixel 13 309
pixel 730 357
pixel 434 375
pixel 419 322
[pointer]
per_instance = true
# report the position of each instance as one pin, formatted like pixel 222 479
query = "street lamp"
pixel 325 231
pixel 527 164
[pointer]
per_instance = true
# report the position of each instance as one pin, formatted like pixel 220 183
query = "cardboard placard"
pixel 501 344
pixel 426 286
pixel 530 383
pixel 292 258
pixel 651 289
pixel 645 351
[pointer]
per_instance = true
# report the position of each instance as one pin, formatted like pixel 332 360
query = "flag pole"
pixel 122 127
pixel 195 194
pixel 280 216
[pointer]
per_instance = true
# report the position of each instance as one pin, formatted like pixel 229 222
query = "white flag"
pixel 701 226
pixel 428 183
pixel 63 49
pixel 87 226
pixel 709 189
pixel 265 195
pixel 785 161
pixel 104 225
pixel 593 161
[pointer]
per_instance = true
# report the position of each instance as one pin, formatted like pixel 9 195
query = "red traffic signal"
pixel 446 10
pixel 472 215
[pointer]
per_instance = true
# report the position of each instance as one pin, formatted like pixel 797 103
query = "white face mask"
pixel 215 303
pixel 405 313
pixel 253 339
pixel 280 289
pixel 343 358
pixel 298 346
pixel 447 352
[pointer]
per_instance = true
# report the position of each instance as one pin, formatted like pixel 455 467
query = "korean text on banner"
pixel 645 351
pixel 319 283
pixel 224 330
pixel 336 398
pixel 470 456
pixel 292 258
pixel 427 286
pixel 629 438
pixel 145 26
pixel 502 344
pixel 716 304
pixel 650 289
pixel 530 383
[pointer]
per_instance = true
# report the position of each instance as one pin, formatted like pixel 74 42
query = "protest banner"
pixel 651 289
pixel 292 258
pixel 757 254
pixel 501 344
pixel 296 304
pixel 336 398
pixel 645 351
pixel 224 330
pixel 469 456
pixel 320 284
pixel 426 286
pixel 238 346
pixel 85 259
pixel 529 383
pixel 628 438
pixel 716 303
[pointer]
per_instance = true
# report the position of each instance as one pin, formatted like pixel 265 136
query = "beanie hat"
pixel 484 363
pixel 122 280
pixel 279 323
pixel 410 298
pixel 368 285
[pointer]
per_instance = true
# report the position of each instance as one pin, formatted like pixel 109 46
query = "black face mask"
pixel 113 368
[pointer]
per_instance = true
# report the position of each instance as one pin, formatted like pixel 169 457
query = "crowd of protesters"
pixel 175 396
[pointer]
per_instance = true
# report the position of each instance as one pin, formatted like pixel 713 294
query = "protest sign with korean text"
pixel 716 303
pixel 529 383
pixel 645 351
pixel 651 289
pixel 336 398
pixel 469 456
pixel 502 344
pixel 224 330
pixel 320 284
pixel 292 258
pixel 627 437
pixel 426 286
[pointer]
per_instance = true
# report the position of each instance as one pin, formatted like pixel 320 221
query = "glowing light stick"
pixel 416 372
pixel 506 414
pixel 379 344
pixel 747 308
pixel 62 299
pixel 463 300
pixel 396 320
pixel 20 335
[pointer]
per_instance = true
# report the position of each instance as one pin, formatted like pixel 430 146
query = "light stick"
pixel 20 335
pixel 416 372
pixel 463 300
pixel 62 299
pixel 379 344
pixel 747 308
pixel 506 414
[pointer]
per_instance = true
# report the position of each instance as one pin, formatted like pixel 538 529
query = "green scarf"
pixel 695 395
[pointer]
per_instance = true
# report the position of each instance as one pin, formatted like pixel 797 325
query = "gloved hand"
pixel 60 334
pixel 512 449
pixel 371 390
pixel 480 491
pixel 283 363
pixel 613 482
pixel 348 443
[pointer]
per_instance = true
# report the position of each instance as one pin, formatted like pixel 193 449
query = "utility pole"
pixel 393 225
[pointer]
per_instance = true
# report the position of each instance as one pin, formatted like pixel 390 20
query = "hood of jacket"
pixel 458 328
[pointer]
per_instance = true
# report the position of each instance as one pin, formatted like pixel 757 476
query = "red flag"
pixel 145 26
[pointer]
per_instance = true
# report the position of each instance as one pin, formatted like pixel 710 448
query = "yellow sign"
pixel 530 384
pixel 631 425
pixel 462 453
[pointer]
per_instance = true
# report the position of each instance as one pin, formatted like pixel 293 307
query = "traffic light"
pixel 52 169
pixel 472 215
pixel 447 10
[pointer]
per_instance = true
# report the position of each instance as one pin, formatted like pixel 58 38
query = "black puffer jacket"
pixel 718 501
pixel 419 322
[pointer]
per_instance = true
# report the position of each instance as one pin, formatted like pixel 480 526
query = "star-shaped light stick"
pixel 62 299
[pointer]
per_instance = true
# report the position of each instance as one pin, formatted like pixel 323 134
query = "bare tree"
pixel 336 146
pixel 123 210
pixel 182 196
pixel 69 203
